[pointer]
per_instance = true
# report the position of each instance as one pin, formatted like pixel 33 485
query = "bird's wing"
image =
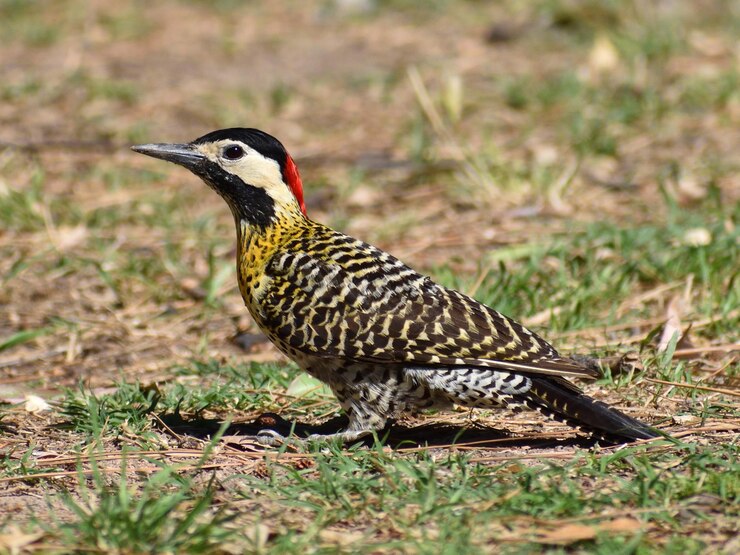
pixel 352 301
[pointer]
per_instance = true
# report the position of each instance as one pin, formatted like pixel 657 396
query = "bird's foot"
pixel 274 439
pixel 274 431
pixel 271 438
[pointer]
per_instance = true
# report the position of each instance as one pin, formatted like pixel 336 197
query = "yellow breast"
pixel 256 249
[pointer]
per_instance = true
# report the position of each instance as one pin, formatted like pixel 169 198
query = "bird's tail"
pixel 561 400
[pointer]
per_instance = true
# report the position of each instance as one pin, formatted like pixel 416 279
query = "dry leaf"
pixel 690 189
pixel 545 154
pixel 340 537
pixel 570 533
pixel 623 524
pixel 241 442
pixel 13 540
pixel 676 307
pixel 603 57
pixel 364 197
pixel 685 419
pixel 697 237
pixel 672 325
pixel 257 536
pixel 67 238
pixel 35 404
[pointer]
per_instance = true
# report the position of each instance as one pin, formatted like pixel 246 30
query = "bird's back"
pixel 328 295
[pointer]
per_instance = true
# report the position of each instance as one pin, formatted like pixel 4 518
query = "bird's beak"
pixel 184 155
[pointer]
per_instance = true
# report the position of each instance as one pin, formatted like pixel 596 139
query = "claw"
pixel 270 437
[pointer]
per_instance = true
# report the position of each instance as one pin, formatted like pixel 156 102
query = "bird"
pixel 386 339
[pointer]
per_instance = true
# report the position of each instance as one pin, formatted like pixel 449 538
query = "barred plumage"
pixel 385 338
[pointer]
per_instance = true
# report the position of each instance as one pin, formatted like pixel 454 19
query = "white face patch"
pixel 251 167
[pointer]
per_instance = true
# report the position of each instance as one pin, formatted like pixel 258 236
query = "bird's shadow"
pixel 396 435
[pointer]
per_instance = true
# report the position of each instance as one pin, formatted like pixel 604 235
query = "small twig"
pixel 87 472
pixel 701 350
pixel 693 386
pixel 478 282
pixel 612 328
pixel 167 428
pixel 641 299
pixel 719 428
pixel 26 360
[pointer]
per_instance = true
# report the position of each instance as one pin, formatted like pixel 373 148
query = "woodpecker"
pixel 386 339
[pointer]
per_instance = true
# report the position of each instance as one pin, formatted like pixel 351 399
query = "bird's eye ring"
pixel 233 152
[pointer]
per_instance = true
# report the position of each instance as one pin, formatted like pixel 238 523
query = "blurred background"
pixel 573 163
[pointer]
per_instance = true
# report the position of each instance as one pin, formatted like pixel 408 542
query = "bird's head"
pixel 250 169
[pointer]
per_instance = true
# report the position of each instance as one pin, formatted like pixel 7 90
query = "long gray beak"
pixel 184 155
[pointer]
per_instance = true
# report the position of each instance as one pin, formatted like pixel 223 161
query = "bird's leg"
pixel 345 436
pixel 273 438
pixel 362 422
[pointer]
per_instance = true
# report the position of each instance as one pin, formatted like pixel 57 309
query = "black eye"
pixel 233 152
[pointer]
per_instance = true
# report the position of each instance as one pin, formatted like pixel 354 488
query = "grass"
pixel 351 500
pixel 591 197
pixel 441 498
pixel 586 276
pixel 166 513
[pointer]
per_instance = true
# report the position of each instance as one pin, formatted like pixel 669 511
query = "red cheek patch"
pixel 293 179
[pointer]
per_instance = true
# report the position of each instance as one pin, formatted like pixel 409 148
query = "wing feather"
pixel 319 305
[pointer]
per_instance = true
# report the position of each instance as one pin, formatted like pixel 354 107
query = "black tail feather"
pixel 567 404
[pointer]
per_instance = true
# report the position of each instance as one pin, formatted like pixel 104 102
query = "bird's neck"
pixel 283 220
pixel 257 245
